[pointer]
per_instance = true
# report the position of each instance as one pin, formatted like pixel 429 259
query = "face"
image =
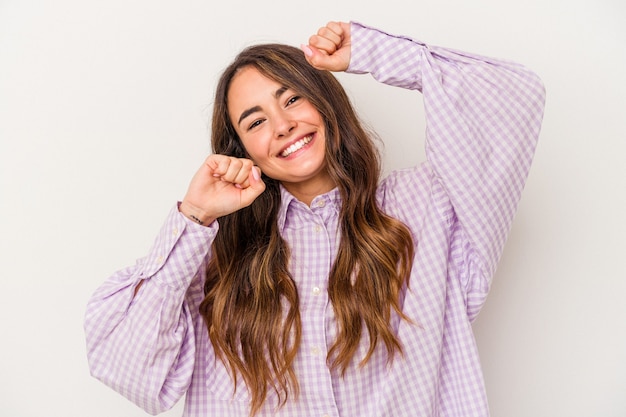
pixel 282 132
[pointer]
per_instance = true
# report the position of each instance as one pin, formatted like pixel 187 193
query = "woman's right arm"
pixel 139 324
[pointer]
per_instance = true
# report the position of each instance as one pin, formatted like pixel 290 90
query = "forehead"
pixel 249 80
pixel 248 88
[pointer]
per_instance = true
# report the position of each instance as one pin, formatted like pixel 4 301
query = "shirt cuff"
pixel 178 251
pixel 391 59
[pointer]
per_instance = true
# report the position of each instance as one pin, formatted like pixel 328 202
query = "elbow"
pixel 538 92
pixel 143 386
pixel 151 401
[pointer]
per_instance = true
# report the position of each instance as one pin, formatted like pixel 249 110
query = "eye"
pixel 255 124
pixel 292 100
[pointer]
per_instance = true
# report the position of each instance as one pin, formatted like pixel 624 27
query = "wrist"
pixel 195 214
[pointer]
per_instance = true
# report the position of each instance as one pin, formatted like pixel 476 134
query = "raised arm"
pixel 483 119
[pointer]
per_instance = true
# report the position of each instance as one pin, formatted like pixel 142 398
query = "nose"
pixel 283 124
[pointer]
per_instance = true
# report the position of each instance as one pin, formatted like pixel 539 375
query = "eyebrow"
pixel 254 109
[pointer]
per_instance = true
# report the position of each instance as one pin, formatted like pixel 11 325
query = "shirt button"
pixel 315 351
pixel 159 259
pixel 317 228
pixel 316 290
pixel 174 232
pixel 321 203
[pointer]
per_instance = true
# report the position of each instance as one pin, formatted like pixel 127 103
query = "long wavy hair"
pixel 251 305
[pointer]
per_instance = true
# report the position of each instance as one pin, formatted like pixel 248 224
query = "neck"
pixel 307 192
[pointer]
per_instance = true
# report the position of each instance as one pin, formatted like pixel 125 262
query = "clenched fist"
pixel 222 185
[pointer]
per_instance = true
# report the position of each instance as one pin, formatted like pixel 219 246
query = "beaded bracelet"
pixel 195 219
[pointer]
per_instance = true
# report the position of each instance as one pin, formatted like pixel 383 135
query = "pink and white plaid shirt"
pixel 483 120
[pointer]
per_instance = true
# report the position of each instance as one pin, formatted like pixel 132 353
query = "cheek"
pixel 254 149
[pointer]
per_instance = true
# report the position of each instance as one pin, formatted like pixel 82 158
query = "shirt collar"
pixel 332 198
pixel 286 198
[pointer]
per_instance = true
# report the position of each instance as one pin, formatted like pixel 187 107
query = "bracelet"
pixel 195 219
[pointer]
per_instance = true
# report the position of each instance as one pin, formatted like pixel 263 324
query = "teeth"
pixel 298 145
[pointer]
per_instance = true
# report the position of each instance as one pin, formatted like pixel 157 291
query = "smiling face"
pixel 282 132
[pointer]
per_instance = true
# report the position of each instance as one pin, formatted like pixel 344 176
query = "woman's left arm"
pixel 483 119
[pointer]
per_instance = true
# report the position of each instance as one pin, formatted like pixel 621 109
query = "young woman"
pixel 291 280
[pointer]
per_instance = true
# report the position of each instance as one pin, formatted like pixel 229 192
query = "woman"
pixel 290 280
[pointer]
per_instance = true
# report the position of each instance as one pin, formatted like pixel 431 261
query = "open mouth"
pixel 296 146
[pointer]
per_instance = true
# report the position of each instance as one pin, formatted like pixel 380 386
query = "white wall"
pixel 103 119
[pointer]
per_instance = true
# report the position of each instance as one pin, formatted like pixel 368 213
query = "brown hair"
pixel 251 305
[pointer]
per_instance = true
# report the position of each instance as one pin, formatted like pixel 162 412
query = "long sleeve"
pixel 143 345
pixel 483 119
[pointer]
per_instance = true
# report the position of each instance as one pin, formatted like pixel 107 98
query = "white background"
pixel 104 111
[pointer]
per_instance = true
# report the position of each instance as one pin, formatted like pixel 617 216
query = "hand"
pixel 221 186
pixel 329 49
